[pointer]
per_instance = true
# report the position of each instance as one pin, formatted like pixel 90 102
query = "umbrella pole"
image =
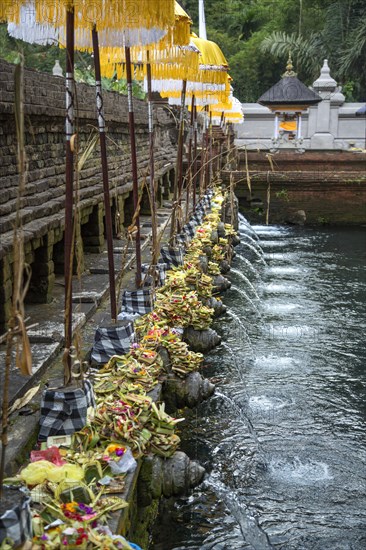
pixel 207 155
pixel 189 160
pixel 210 161
pixel 103 152
pixel 154 236
pixel 179 165
pixel 203 155
pixel 195 157
pixel 69 179
pixel 131 124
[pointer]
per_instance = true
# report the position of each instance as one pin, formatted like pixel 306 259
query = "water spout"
pixel 246 280
pixel 255 243
pixel 249 265
pixel 253 249
pixel 245 295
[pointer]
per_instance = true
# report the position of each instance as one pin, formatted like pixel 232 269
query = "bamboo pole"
pixel 131 123
pixel 154 236
pixel 69 231
pixel 195 157
pixel 189 160
pixel 179 165
pixel 210 161
pixel 203 155
pixel 103 153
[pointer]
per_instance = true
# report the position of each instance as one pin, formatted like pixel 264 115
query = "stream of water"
pixel 283 439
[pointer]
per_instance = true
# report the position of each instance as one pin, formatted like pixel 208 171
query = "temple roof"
pixel 289 91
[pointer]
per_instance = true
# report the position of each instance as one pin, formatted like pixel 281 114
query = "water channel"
pixel 284 437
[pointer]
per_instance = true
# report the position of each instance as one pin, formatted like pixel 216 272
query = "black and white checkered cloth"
pixel 181 239
pixel 65 412
pixel 189 229
pixel 139 301
pixel 172 256
pixel 197 217
pixel 112 340
pixel 158 271
pixel 16 523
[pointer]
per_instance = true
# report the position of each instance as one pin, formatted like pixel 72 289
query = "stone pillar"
pixel 298 126
pixel 43 275
pixel 93 231
pixel 324 113
pixel 276 126
pixel 6 291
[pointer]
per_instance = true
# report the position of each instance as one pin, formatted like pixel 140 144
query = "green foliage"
pixel 257 35
pixel 283 194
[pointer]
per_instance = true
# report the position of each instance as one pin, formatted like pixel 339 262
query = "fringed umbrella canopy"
pixel 210 84
pixel 106 15
pixel 172 57
pixel 174 63
pixel 205 93
pixel 213 64
pixel 119 22
pixel 232 110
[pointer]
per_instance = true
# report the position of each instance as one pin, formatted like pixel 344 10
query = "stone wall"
pixel 42 208
pixel 329 187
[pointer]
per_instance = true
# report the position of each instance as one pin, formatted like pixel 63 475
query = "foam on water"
pixel 275 288
pixel 274 362
pixel 279 243
pixel 301 472
pixel 266 403
pixel 289 332
pixel 280 308
pixel 283 270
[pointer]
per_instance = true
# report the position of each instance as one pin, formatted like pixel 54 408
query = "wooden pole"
pixel 203 155
pixel 135 181
pixel 68 235
pixel 179 166
pixel 195 156
pixel 103 153
pixel 210 161
pixel 154 236
pixel 189 160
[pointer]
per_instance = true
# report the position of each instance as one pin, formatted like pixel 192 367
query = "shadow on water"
pixel 283 438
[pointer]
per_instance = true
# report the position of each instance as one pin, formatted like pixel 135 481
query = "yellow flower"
pixel 111 448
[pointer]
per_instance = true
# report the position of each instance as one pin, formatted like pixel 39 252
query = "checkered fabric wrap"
pixel 112 340
pixel 173 257
pixel 157 271
pixel 190 229
pixel 16 524
pixel 197 217
pixel 138 301
pixel 63 413
pixel 181 239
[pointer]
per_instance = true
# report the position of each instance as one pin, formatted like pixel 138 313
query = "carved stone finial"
pixel 289 68
pixel 325 83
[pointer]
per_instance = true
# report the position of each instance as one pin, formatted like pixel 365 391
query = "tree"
pixel 341 39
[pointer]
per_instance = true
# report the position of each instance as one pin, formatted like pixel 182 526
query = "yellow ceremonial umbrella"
pixel 210 84
pixel 141 20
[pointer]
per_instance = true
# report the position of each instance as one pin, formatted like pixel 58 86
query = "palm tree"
pixel 341 39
